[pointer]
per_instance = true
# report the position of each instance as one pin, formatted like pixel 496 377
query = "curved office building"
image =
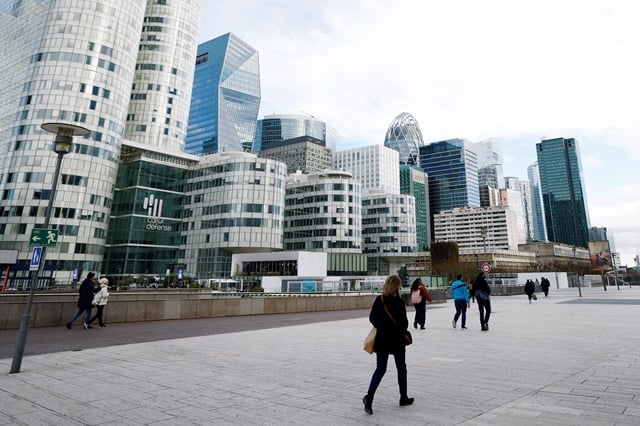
pixel 322 212
pixel 404 136
pixel 80 72
pixel 234 206
pixel 279 129
pixel 161 91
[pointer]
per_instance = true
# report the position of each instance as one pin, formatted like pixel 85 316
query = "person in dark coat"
pixel 529 289
pixel 85 297
pixel 544 285
pixel 481 292
pixel 421 307
pixel 389 316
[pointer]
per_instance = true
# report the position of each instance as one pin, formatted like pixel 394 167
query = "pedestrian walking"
pixel 420 296
pixel 481 292
pixel 460 296
pixel 389 316
pixel 530 290
pixel 100 301
pixel 85 297
pixel 544 285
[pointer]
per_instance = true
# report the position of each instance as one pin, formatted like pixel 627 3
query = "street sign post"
pixel 35 259
pixel 44 237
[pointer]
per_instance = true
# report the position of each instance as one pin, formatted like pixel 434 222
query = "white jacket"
pixel 101 297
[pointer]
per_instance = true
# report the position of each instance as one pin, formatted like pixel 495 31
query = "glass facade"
pixel 452 167
pixel 539 226
pixel 146 218
pixel 414 181
pixel 562 187
pixel 225 97
pixel 404 136
pixel 276 130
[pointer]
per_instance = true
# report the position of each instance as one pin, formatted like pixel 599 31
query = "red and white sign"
pixel 486 268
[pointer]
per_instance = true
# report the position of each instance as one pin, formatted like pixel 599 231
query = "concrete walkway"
pixel 562 360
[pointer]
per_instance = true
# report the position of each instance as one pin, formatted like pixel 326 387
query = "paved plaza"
pixel 562 360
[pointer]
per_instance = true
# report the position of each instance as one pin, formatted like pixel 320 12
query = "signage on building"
pixel 44 237
pixel 153 208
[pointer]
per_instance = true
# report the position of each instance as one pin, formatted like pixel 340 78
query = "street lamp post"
pixel 61 145
pixel 483 232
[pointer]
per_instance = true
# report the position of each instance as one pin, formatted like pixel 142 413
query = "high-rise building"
pixel 452 166
pixel 519 199
pixel 83 66
pixel 375 167
pixel 489 164
pixel 414 181
pixel 303 143
pixel 226 97
pixel 279 129
pixel 563 191
pixel 404 136
pixel 539 226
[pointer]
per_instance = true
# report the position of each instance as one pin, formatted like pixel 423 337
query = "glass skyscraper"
pixel 562 187
pixel 225 98
pixel 404 136
pixel 539 227
pixel 276 130
pixel 452 166
pixel 414 181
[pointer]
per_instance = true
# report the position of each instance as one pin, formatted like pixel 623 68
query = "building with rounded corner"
pixel 404 136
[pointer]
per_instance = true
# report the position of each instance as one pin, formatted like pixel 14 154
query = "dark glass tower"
pixel 225 97
pixel 414 181
pixel 562 187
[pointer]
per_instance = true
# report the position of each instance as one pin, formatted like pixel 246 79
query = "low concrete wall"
pixel 50 310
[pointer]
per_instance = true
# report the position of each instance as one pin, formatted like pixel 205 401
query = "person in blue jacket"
pixel 460 296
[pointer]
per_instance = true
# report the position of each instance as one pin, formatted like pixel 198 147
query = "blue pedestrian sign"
pixel 35 259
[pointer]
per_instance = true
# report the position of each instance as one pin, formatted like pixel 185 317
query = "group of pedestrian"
pixel 89 296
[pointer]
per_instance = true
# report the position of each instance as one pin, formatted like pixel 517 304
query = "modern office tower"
pixel 489 164
pixel 414 181
pixel 452 166
pixel 404 136
pixel 375 167
pixel 539 226
pixel 519 198
pixel 225 98
pixel 304 154
pixel 323 212
pixel 147 211
pixel 80 69
pixel 235 204
pixel 280 129
pixel 489 197
pixel 563 191
pixel 477 230
pixel 161 91
pixel 388 227
pixel 602 234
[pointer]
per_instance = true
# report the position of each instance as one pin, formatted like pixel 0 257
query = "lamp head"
pixel 64 135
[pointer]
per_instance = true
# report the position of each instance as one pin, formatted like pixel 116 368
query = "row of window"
pixel 78 58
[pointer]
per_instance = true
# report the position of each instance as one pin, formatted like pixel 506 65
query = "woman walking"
pixel 481 292
pixel 100 300
pixel 420 296
pixel 389 316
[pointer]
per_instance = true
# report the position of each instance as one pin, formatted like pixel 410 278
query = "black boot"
pixel 368 402
pixel 404 400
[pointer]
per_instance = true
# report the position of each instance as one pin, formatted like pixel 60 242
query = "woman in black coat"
pixel 529 289
pixel 391 325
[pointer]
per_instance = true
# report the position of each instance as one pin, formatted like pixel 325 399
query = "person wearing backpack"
pixel 419 297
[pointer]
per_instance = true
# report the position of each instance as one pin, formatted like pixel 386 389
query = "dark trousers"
pixel 98 315
pixel 484 306
pixel 461 310
pixel 381 368
pixel 87 315
pixel 421 313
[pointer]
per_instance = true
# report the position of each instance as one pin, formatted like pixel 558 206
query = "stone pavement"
pixel 562 360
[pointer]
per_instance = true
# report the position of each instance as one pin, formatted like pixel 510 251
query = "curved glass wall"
pixel 404 136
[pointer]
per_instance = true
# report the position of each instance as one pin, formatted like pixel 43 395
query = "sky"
pixel 517 72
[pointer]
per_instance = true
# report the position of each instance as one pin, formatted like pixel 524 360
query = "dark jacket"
pixel 480 284
pixel 85 292
pixel 529 287
pixel 389 337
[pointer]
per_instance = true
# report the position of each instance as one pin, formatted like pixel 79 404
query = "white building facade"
pixel 375 166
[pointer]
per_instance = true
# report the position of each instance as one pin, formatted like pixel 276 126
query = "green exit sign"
pixel 44 237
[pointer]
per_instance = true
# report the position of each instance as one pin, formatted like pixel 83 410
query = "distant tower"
pixel 225 98
pixel 404 136
pixel 561 182
pixel 489 164
pixel 539 226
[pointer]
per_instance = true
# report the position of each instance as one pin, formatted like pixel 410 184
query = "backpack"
pixel 416 297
